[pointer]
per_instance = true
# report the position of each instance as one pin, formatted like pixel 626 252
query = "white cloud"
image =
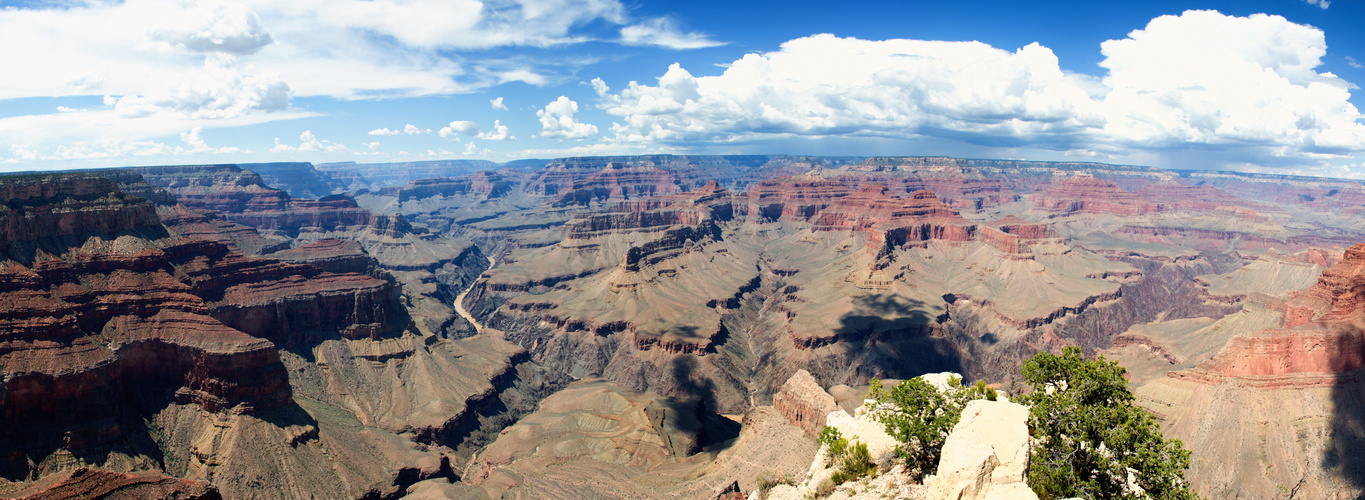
pixel 470 148
pixel 222 89
pixel 497 104
pixel 214 26
pixel 601 88
pixel 383 131
pixel 557 121
pixel 105 134
pixel 499 133
pixel 1208 79
pixel 1353 62
pixel 453 131
pixel 91 150
pixel 1322 4
pixel 391 47
pixel 308 143
pixel 662 32
pixel 468 128
pixel 411 129
pixel 1247 85
pixel 824 85
pixel 166 67
pixel 195 141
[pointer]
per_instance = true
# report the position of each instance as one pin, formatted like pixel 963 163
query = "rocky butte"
pixel 644 326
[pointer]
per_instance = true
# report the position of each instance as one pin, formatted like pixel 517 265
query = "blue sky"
pixel 1257 86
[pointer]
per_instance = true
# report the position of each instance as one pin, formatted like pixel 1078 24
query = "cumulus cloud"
pixel 601 88
pixel 557 121
pixel 195 140
pixel 1198 80
pixel 825 85
pixel 453 131
pixel 662 32
pixel 1210 79
pixel 1322 4
pixel 222 89
pixel 471 129
pixel 214 26
pixel 411 129
pixel 499 133
pixel 383 131
pixel 308 143
pixel 497 104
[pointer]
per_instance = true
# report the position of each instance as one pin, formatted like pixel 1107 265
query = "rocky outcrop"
pixel 332 255
pixel 95 330
pixel 804 403
pixel 576 181
pixel 482 184
pixel 298 179
pixel 1084 193
pixel 242 196
pixel 84 483
pixel 986 455
pixel 58 205
pixel 1320 341
pixel 288 302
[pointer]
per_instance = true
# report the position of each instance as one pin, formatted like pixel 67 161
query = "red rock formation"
pixel 486 184
pixel 1321 338
pixel 241 196
pixel 331 255
pixel 694 208
pixel 804 403
pixel 276 300
pixel 91 333
pixel 43 206
pixel 1085 193
pixel 831 206
pixel 583 180
pixel 84 483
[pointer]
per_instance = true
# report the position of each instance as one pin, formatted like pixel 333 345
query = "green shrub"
pixel 831 437
pixel 850 460
pixel 767 480
pixel 921 420
pixel 1089 434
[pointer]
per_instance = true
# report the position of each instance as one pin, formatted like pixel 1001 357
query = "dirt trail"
pixel 459 300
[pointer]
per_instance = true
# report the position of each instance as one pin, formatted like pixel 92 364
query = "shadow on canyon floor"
pixel 700 402
pixel 891 336
pixel 1345 453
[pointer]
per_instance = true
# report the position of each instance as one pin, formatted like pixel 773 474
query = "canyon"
pixel 625 326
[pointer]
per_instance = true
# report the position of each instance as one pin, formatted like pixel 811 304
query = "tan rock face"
pixel 804 403
pixel 986 455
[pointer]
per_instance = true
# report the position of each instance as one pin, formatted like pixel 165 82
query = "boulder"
pixel 940 380
pixel 986 455
pixel 804 403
